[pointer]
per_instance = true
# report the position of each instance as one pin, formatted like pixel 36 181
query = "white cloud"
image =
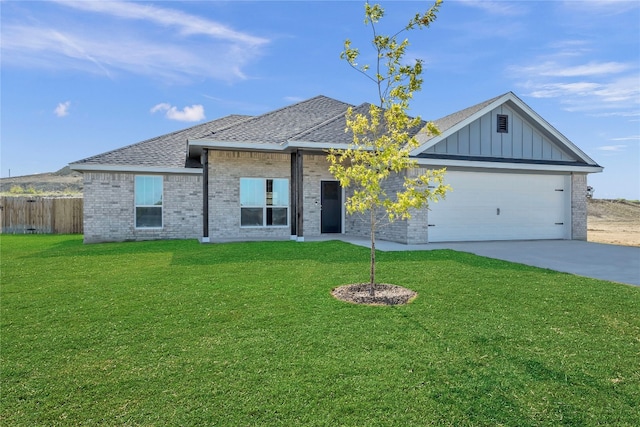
pixel 167 44
pixel 187 24
pixel 497 7
pixel 554 90
pixel 163 106
pixel 592 68
pixel 62 109
pixel 580 83
pixel 631 114
pixel 612 148
pixel 106 55
pixel 193 113
pixel 627 138
pixel 293 99
pixel 601 7
pixel 625 89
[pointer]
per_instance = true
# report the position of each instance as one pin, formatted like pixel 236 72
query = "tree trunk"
pixel 372 275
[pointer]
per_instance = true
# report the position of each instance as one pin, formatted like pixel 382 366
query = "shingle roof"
pixel 331 131
pixel 282 125
pixel 163 151
pixel 453 119
pixel 316 120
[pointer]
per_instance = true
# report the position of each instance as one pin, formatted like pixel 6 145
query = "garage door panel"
pixel 494 206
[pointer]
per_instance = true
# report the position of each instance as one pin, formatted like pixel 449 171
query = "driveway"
pixel 599 261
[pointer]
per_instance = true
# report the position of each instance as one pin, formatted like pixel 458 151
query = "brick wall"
pixel 418 225
pixel 225 170
pixel 109 210
pixel 315 170
pixel 411 231
pixel 360 224
pixel 579 206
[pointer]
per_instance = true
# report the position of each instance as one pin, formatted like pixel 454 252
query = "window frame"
pixel 136 191
pixel 265 206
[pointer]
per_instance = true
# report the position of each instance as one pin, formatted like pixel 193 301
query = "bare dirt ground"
pixel 61 183
pixel 614 221
pixel 358 293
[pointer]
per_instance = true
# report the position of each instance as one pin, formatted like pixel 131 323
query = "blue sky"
pixel 81 78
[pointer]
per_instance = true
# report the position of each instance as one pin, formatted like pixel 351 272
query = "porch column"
pixel 299 196
pixel 293 192
pixel 205 195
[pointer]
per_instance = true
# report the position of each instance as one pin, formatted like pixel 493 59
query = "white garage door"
pixel 502 206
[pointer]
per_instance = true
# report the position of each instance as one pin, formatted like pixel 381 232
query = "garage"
pixel 502 206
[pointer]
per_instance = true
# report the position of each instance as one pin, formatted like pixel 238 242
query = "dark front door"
pixel 331 201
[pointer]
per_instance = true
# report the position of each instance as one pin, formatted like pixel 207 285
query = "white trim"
pixel 499 165
pixel 205 240
pixel 319 145
pixel 196 144
pixel 133 169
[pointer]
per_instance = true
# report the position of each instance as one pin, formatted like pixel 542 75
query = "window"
pixel 264 202
pixel 148 196
pixel 503 123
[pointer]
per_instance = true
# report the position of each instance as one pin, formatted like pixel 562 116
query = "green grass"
pixel 178 333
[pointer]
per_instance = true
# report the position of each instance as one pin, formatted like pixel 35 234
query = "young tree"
pixel 384 136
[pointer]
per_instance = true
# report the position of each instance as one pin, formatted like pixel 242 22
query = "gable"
pixel 472 137
pixel 503 133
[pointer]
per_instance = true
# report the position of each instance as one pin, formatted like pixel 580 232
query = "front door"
pixel 331 207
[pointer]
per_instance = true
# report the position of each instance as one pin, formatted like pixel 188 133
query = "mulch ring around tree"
pixel 385 294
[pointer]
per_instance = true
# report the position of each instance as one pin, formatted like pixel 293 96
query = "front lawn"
pixel 247 334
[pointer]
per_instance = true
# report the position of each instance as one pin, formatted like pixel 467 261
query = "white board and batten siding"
pixel 502 206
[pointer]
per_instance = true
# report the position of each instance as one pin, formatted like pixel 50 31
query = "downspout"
pixel 205 195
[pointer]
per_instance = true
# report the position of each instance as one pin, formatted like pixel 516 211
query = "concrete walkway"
pixel 599 261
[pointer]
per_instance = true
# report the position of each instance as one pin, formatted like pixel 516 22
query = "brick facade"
pixel 315 170
pixel 109 209
pixel 579 206
pixel 412 231
pixel 225 170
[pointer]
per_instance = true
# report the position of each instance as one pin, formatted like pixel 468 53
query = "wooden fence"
pixel 41 215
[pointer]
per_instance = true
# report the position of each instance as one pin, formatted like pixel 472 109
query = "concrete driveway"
pixel 599 261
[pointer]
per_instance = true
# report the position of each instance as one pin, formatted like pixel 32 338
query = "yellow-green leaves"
pixel 378 158
pixel 384 137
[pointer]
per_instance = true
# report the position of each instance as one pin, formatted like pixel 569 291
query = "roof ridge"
pixel 329 120
pixel 362 108
pixel 272 112
pixel 246 116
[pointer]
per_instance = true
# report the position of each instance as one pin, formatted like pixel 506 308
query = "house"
pixel 514 176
